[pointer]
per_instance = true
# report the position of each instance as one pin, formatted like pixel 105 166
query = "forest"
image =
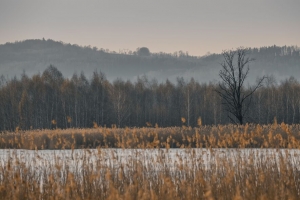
pixel 33 56
pixel 48 101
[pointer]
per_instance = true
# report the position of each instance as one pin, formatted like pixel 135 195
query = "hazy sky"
pixel 196 26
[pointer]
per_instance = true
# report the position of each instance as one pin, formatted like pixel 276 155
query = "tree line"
pixel 49 100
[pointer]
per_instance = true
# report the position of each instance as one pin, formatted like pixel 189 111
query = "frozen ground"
pixel 177 162
pixel 155 158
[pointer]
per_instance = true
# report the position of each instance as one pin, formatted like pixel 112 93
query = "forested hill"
pixel 33 56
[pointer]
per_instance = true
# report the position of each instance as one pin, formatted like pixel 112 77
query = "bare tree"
pixel 231 89
pixel 120 95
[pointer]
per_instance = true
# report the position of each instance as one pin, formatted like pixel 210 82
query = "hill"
pixel 34 56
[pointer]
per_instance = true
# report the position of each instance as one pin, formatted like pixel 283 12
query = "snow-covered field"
pixel 150 159
pixel 149 164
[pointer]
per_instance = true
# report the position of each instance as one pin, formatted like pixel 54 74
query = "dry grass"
pixel 250 178
pixel 230 136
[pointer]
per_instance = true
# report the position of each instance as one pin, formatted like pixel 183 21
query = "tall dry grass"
pixel 229 136
pixel 226 178
pixel 239 177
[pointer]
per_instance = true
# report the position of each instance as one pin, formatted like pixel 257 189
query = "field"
pixel 222 162
pixel 230 136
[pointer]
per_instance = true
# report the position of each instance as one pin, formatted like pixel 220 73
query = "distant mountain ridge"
pixel 34 56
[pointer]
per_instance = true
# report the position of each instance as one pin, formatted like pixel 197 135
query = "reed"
pixel 221 136
pixel 92 171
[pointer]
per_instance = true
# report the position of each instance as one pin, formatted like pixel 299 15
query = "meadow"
pixel 221 136
pixel 207 162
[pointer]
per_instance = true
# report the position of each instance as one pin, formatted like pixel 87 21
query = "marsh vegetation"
pixel 152 163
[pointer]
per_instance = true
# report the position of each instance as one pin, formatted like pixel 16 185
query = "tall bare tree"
pixel 231 89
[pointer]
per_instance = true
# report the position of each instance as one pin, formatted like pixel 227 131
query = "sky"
pixel 194 26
